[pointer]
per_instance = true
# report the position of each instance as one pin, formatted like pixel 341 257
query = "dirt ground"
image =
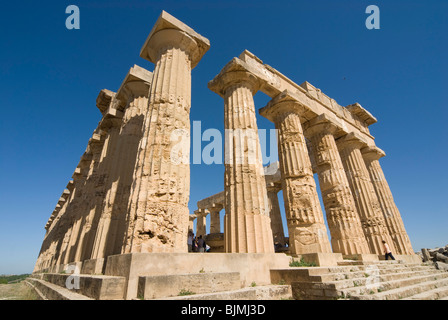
pixel 17 291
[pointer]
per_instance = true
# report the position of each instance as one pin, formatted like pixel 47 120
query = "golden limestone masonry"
pixel 124 216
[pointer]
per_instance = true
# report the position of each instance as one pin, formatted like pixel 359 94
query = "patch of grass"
pixel 301 263
pixel 253 284
pixel 185 292
pixel 282 282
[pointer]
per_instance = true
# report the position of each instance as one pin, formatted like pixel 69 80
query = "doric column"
pixel 347 236
pixel 192 217
pixel 391 213
pixel 306 225
pixel 201 222
pixel 132 103
pixel 215 222
pixel 366 201
pixel 275 214
pixel 159 197
pixel 86 215
pixel 247 225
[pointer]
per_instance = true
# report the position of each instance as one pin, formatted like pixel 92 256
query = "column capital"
pixel 215 208
pixel 285 103
pixel 364 115
pixel 324 123
pixel 351 140
pixel 169 32
pixel 136 83
pixel 234 73
pixel 104 100
pixel 201 213
pixel 372 153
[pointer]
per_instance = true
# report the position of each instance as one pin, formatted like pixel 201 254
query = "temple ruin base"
pixel 253 267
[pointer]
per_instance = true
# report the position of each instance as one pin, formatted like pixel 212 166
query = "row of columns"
pixel 358 202
pixel 128 194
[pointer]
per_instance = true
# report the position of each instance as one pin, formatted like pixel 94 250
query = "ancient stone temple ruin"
pixel 125 212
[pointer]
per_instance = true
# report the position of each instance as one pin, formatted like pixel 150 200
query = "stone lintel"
pixel 273 82
pixel 166 22
pixel 104 99
pixel 234 72
pixel 286 102
pixel 137 81
pixel 372 153
pixel 364 115
pixel 210 201
pixel 192 217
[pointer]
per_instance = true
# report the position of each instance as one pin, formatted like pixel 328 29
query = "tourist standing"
pixel 387 252
pixel 201 244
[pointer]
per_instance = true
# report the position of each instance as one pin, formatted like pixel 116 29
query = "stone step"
pixel 50 291
pixel 268 292
pixel 98 287
pixel 434 294
pixel 153 287
pixel 398 289
pixel 380 262
pixel 384 273
pixel 324 274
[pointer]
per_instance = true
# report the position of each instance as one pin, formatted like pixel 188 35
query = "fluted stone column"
pixel 201 222
pixel 95 147
pixel 132 98
pixel 366 200
pixel 275 213
pixel 306 225
pixel 247 224
pixel 347 236
pixel 215 222
pixel 192 217
pixel 391 213
pixel 158 206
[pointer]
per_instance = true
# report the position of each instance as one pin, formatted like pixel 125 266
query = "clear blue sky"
pixel 51 76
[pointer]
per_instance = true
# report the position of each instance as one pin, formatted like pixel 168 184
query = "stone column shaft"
pixel 247 225
pixel 275 215
pixel 307 230
pixel 215 222
pixel 201 223
pixel 158 206
pixel 347 236
pixel 391 213
pixel 366 201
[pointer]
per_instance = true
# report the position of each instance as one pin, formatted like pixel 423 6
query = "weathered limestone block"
pixel 347 236
pixel 158 206
pixel 247 223
pixel 307 230
pixel 426 255
pixel 391 214
pixel 366 200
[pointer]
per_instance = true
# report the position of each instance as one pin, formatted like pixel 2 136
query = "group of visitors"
pixel 197 244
